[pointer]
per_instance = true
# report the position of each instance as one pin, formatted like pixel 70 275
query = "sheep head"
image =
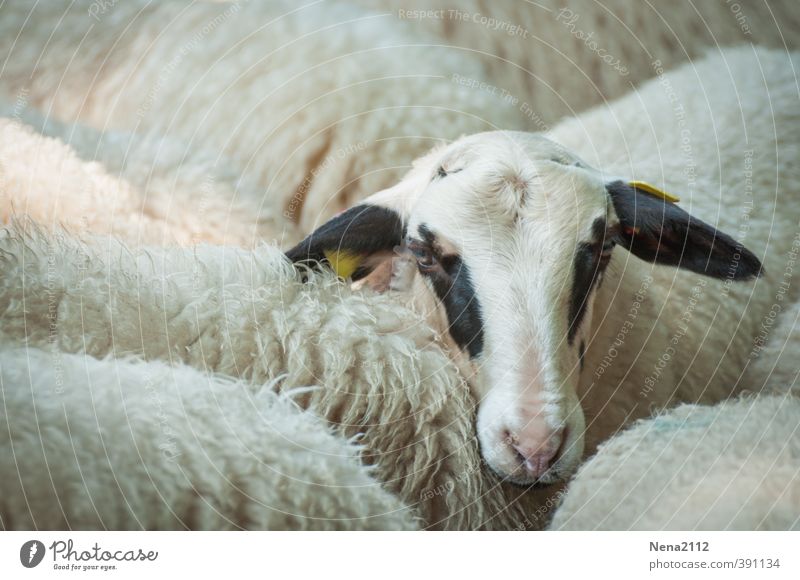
pixel 503 238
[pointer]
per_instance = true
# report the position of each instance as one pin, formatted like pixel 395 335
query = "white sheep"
pixel 143 190
pixel 733 466
pixel 217 308
pixel 560 58
pixel 316 104
pixel 125 444
pixel 383 374
pixel 506 237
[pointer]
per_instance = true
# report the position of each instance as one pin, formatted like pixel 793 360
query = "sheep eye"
pixel 425 260
pixel 424 256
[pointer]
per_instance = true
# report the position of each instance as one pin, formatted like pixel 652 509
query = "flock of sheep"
pixel 164 365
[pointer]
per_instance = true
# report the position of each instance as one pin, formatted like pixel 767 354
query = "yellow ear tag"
pixel 343 264
pixel 647 188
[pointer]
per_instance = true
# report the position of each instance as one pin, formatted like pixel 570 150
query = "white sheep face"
pixel 497 227
pixel 505 236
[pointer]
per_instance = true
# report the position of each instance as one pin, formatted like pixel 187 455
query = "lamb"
pixel 125 444
pixel 315 105
pixel 511 238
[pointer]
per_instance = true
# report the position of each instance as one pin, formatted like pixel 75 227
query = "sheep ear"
pixel 658 231
pixel 355 242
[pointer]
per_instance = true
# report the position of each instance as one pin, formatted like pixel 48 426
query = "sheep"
pixel 125 444
pixel 512 238
pixel 339 93
pixel 143 190
pixel 306 101
pixel 558 59
pixel 383 375
pixel 733 466
pixel 235 332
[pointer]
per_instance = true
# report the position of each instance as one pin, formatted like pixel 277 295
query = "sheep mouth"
pixel 551 477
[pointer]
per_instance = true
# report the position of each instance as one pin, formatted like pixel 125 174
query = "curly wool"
pixel 384 375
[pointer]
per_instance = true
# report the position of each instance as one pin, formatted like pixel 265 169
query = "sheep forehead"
pixel 505 189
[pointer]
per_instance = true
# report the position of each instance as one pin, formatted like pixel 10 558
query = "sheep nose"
pixel 537 458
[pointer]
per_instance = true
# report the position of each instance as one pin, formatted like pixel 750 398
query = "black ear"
pixel 660 232
pixel 360 232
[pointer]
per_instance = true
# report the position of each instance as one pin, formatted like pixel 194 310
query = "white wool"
pixel 734 466
pixel 319 105
pixel 721 138
pixel 246 314
pixel 125 444
pixel 559 58
pixel 143 190
pixel 773 361
pixel 731 466
pixel 383 374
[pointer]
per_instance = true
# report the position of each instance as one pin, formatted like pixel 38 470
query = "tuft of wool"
pixel 122 444
pixel 733 466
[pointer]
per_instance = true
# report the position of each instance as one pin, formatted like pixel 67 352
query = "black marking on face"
pixel 590 260
pixel 452 284
pixel 581 353
pixel 362 230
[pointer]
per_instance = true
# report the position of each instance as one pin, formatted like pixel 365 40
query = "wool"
pixel 559 59
pixel 772 364
pixel 247 314
pixel 383 374
pixel 733 466
pixel 123 444
pixel 143 190
pixel 317 105
pixel 730 466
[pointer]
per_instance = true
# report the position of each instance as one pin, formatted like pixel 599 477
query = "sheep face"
pixel 503 238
